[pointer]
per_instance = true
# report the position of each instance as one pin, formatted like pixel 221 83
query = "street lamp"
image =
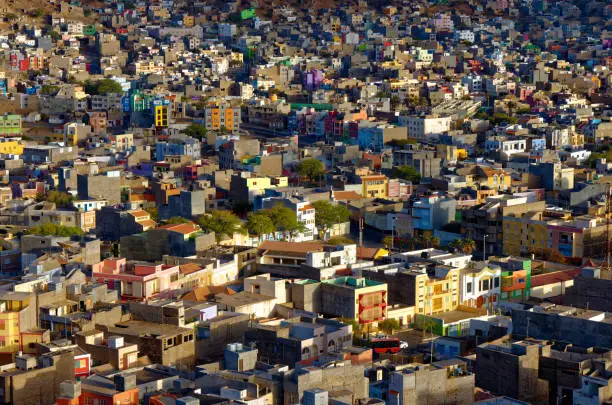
pixel 484 247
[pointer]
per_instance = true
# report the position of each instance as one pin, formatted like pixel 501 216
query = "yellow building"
pixel 124 141
pixel 374 186
pixel 18 325
pixel 524 233
pixel 494 179
pixel 161 116
pixel 237 57
pixel 436 291
pixel 479 176
pixel 245 189
pixel 11 146
pixel 188 20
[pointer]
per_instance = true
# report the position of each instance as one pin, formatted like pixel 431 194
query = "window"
pixel 496 282
pixel 469 287
pixel 485 285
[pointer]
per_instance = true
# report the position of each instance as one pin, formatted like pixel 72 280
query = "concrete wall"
pixel 349 377
pixel 307 296
pixel 569 329
pixel 39 385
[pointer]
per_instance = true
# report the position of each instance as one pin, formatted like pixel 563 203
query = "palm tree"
pixel 467 246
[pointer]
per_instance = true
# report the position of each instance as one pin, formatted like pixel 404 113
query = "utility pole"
pixel 361 232
pixel 392 233
pixel 484 247
pixel 608 226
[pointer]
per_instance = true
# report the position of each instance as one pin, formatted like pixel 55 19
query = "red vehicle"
pixel 386 345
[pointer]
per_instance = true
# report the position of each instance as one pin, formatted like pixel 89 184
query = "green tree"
pixel 196 131
pixel 340 240
pixel 407 172
pixel 176 221
pixel 400 143
pixel 327 215
pixel 153 212
pixel 60 199
pixel 102 87
pixel 54 229
pixel 284 219
pixel 221 222
pixel 10 16
pixel 39 12
pixel 389 325
pixel 310 168
pixel 49 90
pixel 54 35
pixel 259 224
pixel 106 86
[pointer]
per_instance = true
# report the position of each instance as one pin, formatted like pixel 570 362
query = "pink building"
pixel 138 281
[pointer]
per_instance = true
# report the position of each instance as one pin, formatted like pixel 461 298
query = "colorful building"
pixel 434 290
pixel 136 281
pixel 524 232
pixel 515 277
pixel 480 285
pixel 161 116
pixel 355 298
pixel 374 186
pixel 222 116
pixel 11 146
pixel 18 326
pixel 10 125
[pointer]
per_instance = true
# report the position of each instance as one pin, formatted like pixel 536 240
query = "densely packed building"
pixel 315 202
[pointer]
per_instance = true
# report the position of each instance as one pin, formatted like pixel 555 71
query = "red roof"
pixel 552 278
pixel 185 229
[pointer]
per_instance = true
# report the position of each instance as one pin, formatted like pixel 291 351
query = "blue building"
pixel 178 145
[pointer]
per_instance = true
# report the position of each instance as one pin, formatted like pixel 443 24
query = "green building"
pixel 89 30
pixel 247 14
pixel 515 277
pixel 10 125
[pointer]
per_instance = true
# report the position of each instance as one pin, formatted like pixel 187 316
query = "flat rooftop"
pixel 143 329
pixel 242 298
pixel 455 316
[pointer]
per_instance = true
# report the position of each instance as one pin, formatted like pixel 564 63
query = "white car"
pixel 403 344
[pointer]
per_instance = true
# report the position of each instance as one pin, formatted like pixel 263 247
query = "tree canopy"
pixel 463 245
pixel 283 218
pixel 196 131
pixel 327 215
pixel 176 220
pixel 310 168
pixel 221 222
pixel 407 172
pixel 340 240
pixel 54 229
pixel 153 212
pixel 60 199
pixel 102 87
pixel 259 224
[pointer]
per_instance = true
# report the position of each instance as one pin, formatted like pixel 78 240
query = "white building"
pixel 335 257
pixel 464 35
pixel 474 83
pixel 227 30
pixel 426 127
pixel 480 285
pixel 505 145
